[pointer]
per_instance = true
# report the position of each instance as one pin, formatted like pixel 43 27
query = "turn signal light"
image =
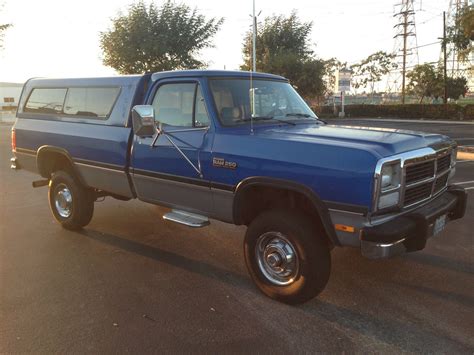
pixel 13 140
pixel 344 228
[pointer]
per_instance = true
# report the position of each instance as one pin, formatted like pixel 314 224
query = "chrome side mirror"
pixel 143 120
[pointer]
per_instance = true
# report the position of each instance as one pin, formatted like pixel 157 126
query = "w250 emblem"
pixel 222 163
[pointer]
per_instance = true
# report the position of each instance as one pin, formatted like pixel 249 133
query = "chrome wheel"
pixel 277 258
pixel 63 201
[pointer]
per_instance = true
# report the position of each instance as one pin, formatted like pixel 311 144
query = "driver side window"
pixel 180 105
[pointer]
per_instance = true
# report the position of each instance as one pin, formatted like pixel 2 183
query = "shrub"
pixel 414 111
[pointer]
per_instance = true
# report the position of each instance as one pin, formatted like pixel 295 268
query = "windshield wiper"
pixel 263 118
pixel 297 114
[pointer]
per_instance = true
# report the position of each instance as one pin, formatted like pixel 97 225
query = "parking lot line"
pixel 464 182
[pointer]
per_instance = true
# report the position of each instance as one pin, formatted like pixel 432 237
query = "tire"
pixel 278 235
pixel 71 203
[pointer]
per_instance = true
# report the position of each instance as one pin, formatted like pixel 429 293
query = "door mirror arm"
pixel 144 125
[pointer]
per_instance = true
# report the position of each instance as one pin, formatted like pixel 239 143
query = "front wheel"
pixel 287 256
pixel 72 204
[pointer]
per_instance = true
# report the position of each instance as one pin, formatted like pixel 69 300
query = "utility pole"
pixel 404 67
pixel 445 61
pixel 405 44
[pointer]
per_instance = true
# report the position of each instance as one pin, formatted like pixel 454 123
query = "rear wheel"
pixel 71 203
pixel 287 256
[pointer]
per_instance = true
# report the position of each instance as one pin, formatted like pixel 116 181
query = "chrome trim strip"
pixel 99 167
pixel 25 151
pixel 348 212
pixel 421 182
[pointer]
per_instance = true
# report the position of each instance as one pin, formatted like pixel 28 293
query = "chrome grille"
pixel 426 178
pixel 416 193
pixel 440 183
pixel 443 163
pixel 424 174
pixel 419 172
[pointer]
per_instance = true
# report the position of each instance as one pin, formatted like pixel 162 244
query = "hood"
pixel 381 141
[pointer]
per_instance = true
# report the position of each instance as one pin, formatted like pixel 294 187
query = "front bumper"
pixel 410 232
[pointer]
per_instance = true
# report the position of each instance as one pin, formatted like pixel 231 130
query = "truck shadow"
pixel 176 260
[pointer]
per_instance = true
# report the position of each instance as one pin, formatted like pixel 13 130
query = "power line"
pixel 430 19
pixel 425 45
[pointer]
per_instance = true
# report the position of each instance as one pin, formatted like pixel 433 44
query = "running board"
pixel 187 218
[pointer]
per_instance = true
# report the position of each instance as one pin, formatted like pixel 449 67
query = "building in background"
pixel 9 96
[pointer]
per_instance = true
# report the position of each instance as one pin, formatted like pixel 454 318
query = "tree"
pixel 371 70
pixel 461 33
pixel 425 81
pixel 332 66
pixel 456 87
pixel 149 39
pixel 3 28
pixel 284 48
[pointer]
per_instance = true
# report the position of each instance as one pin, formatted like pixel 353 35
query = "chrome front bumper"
pixel 374 250
pixel 410 232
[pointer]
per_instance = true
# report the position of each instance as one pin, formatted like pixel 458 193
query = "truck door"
pixel 173 169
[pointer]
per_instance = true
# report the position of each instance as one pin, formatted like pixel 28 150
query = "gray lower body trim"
pixel 223 205
pixel 355 220
pixel 109 180
pixel 174 194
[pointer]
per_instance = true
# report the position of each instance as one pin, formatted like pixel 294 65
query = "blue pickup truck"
pixel 243 148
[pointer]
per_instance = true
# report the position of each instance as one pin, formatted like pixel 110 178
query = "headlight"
pixel 388 200
pixel 389 189
pixel 454 154
pixel 390 176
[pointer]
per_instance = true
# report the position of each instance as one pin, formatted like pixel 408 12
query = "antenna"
pixel 254 65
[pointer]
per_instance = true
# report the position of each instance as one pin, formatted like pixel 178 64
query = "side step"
pixel 187 218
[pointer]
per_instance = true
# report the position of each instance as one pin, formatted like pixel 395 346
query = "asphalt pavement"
pixel 131 282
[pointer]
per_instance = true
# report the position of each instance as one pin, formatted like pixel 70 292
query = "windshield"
pixel 274 100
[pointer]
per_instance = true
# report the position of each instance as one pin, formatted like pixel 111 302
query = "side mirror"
pixel 143 120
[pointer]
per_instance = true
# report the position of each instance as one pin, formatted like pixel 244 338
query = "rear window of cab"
pixel 90 102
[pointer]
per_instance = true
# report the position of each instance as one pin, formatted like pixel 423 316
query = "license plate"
pixel 439 224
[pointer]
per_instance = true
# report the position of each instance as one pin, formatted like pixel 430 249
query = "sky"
pixel 60 38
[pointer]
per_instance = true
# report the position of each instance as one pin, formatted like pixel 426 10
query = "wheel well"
pixel 49 161
pixel 255 199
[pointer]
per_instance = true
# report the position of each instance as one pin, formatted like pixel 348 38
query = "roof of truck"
pixel 59 82
pixel 214 73
pixel 129 79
